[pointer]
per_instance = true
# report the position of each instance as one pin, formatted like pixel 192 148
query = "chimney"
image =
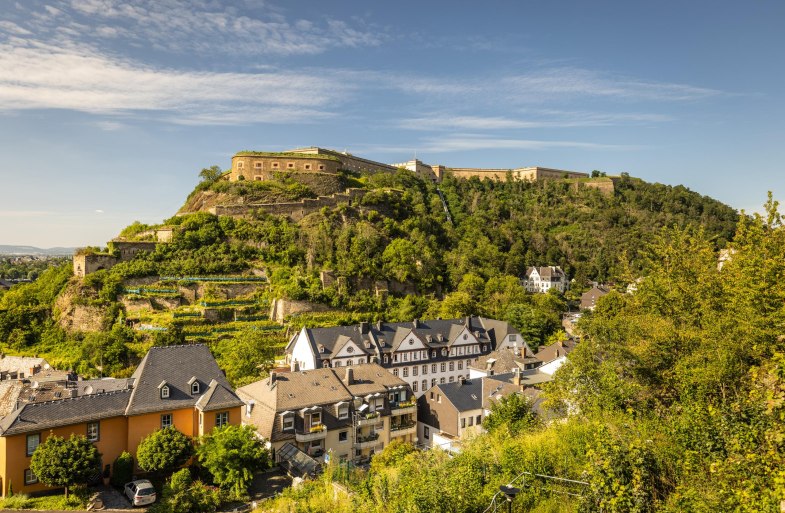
pixel 560 342
pixel 349 377
pixel 364 327
pixel 273 376
pixel 72 392
pixel 516 377
pixel 33 370
pixel 461 380
pixel 515 349
pixel 295 366
pixel 379 325
pixel 416 323
pixel 468 321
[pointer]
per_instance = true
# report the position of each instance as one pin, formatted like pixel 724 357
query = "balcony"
pixel 314 433
pixel 403 408
pixel 403 428
pixel 368 419
pixel 364 442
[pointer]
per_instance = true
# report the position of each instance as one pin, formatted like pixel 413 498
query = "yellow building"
pixel 178 386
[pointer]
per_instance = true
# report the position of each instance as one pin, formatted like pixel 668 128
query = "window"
pixel 239 165
pixel 463 422
pixel 406 372
pixel 316 418
pixel 452 379
pixel 452 366
pixel 424 385
pixel 257 165
pixel 288 422
pixel 460 365
pixel 290 165
pixel 444 366
pixel 30 478
pixel 426 432
pixel 343 436
pixel 433 368
pixel 414 386
pixel 465 336
pixel 221 419
pixel 484 347
pixel 93 431
pixel 471 421
pixel 275 165
pixel 468 363
pixel 165 392
pixel 406 357
pixel 166 420
pixel 425 369
pixel 32 443
pixel 321 167
pixel 444 351
pixel 395 357
pixel 386 358
pixel 194 388
pixel 441 381
pixel 438 398
pixel 343 412
pixel 479 419
pixel 349 363
pixel 433 382
pixel 512 338
pixel 433 353
pixel 415 370
pixel 395 372
pixel 380 404
pixel 308 167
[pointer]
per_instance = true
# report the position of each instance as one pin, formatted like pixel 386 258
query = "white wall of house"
pixel 302 353
pixel 552 366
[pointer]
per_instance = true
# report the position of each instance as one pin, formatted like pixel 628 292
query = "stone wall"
pixel 295 210
pixel 261 167
pixel 280 308
pixel 90 263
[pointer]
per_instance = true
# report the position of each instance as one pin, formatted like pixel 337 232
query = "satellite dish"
pixel 47 366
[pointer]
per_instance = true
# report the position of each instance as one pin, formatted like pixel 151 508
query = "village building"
pixel 502 361
pixel 543 279
pixel 448 413
pixel 590 297
pixel 421 353
pixel 178 386
pixel 348 413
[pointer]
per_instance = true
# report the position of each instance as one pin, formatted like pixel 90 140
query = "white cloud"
pixel 82 79
pixel 546 119
pixel 470 142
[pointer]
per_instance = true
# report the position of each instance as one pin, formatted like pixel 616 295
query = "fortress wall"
pixel 295 210
pixel 491 174
pixel 261 167
pixel 86 264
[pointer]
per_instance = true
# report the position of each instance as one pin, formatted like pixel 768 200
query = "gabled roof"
pixel 218 397
pixel 557 349
pixel 464 396
pixel 40 416
pixel 504 360
pixel 21 363
pixel 546 272
pixel 175 365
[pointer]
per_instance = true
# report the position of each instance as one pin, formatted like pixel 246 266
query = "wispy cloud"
pixel 204 26
pixel 80 78
pixel 548 119
pixel 470 142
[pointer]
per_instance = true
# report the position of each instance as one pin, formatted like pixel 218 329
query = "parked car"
pixel 140 492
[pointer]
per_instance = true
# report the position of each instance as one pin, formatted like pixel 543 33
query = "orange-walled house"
pixel 178 386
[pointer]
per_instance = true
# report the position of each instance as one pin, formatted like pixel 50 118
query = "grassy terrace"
pixel 247 153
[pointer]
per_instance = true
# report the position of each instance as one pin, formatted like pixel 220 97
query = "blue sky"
pixel 109 108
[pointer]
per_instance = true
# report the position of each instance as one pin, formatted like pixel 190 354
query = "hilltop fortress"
pixel 257 165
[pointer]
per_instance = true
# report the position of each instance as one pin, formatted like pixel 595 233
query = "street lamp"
pixel 510 492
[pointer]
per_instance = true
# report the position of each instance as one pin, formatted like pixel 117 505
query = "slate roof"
pixel 20 363
pixel 549 272
pixel 218 397
pixel 380 338
pixel 590 297
pixel 9 394
pixel 464 396
pixel 176 365
pixel 557 349
pixel 40 416
pixel 504 361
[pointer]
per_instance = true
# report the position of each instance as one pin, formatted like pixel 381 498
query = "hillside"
pixel 392 254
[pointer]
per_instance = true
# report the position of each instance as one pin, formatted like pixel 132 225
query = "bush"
pixel 123 470
pixel 184 495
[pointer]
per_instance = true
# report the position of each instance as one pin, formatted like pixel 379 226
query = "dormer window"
pixel 288 421
pixel 343 411
pixel 194 385
pixel 164 390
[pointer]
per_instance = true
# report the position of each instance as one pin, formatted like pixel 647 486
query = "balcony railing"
pixel 403 425
pixel 403 407
pixel 366 441
pixel 313 433
pixel 368 419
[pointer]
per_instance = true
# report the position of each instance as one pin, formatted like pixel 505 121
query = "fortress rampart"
pixel 295 210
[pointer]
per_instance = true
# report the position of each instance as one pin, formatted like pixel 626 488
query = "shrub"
pixel 123 470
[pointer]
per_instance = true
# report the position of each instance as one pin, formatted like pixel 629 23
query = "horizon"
pixel 114 108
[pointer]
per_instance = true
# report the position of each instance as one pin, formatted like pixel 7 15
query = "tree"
pixel 233 454
pixel 61 462
pixel 164 450
pixel 184 495
pixel 210 174
pixel 513 411
pixel 246 355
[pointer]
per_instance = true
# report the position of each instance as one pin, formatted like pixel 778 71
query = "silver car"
pixel 140 492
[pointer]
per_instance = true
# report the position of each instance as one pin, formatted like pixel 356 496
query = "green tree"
pixel 233 454
pixel 513 412
pixel 247 355
pixel 210 174
pixel 164 450
pixel 65 462
pixel 184 495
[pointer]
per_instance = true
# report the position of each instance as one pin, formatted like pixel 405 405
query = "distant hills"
pixel 32 250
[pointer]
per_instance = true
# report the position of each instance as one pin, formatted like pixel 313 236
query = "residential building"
pixel 421 353
pixel 178 386
pixel 525 383
pixel 448 413
pixel 590 297
pixel 543 279
pixel 554 355
pixel 347 413
pixel 502 361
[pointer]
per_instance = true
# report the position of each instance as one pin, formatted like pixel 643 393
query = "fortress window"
pixel 240 165
pixel 275 165
pixel 290 165
pixel 321 167
pixel 308 167
pixel 258 165
pixel 257 178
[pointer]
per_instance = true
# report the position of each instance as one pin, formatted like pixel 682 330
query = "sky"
pixel 110 108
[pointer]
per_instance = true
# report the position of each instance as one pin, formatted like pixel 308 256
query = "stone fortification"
pixel 522 173
pixel 295 210
pixel 259 166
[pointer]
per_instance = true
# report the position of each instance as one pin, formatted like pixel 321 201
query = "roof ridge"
pixel 64 399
